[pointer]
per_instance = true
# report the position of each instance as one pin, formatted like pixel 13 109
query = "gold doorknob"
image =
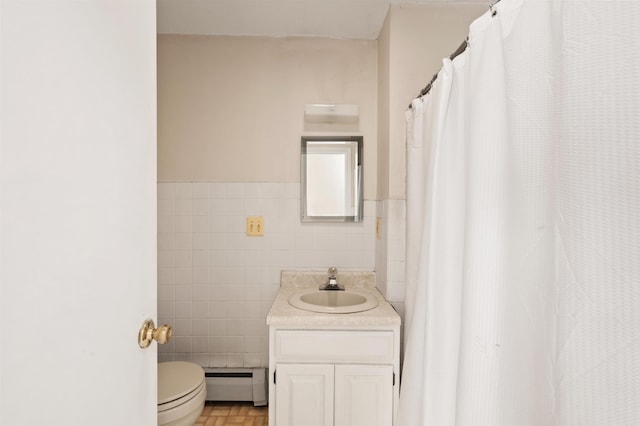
pixel 149 332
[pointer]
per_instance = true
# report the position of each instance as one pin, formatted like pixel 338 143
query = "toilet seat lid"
pixel 177 379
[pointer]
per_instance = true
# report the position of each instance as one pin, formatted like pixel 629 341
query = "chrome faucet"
pixel 332 282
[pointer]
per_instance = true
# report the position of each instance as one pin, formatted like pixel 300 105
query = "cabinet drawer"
pixel 334 346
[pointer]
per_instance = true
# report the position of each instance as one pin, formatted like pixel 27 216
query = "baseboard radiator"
pixel 238 384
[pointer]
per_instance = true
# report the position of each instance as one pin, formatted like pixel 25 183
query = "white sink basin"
pixel 333 301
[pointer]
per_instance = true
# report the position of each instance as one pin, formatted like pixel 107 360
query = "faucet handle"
pixel 333 272
pixel 332 282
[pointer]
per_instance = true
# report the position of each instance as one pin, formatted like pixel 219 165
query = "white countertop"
pixel 282 313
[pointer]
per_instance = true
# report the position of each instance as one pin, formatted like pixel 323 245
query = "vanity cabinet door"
pixel 363 395
pixel 304 395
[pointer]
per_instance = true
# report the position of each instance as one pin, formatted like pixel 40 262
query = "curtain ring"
pixel 492 10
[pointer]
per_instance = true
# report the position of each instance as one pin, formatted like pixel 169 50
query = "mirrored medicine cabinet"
pixel 331 180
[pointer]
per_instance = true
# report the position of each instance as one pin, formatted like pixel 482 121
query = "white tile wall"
pixel 395 219
pixel 390 249
pixel 216 285
pixel 390 255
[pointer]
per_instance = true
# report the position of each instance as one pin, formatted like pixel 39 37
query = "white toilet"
pixel 181 393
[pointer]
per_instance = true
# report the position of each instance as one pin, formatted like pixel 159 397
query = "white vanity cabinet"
pixel 341 377
pixel 329 369
pixel 363 395
pixel 304 394
pixel 341 395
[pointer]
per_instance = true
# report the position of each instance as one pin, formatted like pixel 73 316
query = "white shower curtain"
pixel 523 223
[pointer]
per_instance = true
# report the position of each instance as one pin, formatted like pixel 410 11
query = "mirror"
pixel 331 181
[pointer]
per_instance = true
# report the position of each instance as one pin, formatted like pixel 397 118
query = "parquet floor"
pixel 232 414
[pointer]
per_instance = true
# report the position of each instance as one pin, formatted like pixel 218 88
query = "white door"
pixel 364 395
pixel 304 395
pixel 77 206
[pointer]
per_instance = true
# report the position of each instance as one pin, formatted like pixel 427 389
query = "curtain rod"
pixel 457 52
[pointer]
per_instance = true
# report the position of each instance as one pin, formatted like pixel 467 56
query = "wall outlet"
pixel 255 226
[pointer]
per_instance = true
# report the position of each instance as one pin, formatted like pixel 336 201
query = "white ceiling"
pixel 350 19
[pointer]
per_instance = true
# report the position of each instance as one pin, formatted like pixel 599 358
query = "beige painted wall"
pixel 419 36
pixel 384 79
pixel 231 109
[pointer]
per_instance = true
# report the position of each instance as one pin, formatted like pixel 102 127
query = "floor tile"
pixel 232 414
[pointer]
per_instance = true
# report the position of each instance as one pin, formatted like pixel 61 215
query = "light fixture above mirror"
pixel 331 113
